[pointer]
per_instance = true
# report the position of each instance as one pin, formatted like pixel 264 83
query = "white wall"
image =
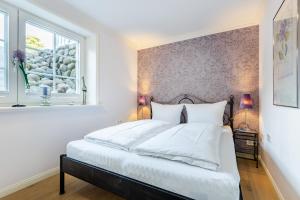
pixel 281 153
pixel 32 139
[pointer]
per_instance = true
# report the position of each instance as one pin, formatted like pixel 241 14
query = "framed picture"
pixel 285 55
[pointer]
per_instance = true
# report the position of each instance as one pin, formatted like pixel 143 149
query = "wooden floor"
pixel 255 186
pixel 255 182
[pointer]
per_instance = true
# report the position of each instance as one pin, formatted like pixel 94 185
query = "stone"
pixel 44 68
pixel 70 91
pixel 60 60
pixel 33 83
pixel 58 72
pixel 33 77
pixel 73 73
pixel 45 81
pixel 37 59
pixel 72 52
pixel 49 71
pixel 71 83
pixel 66 53
pixel 28 66
pixel 66 73
pixel 49 60
pixel 62 88
pixel 58 81
pixel 39 70
pixel 63 68
pixel 34 66
pixel 67 60
pixel 71 66
pixel 61 52
pixel 43 63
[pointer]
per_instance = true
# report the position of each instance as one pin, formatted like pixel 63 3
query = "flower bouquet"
pixel 19 61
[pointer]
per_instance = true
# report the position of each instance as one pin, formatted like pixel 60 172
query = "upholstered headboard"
pixel 186 98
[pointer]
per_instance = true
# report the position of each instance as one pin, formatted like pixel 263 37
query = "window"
pixel 54 59
pixel 3 53
pixel 8 43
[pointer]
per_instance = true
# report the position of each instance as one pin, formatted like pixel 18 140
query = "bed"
pixel 141 177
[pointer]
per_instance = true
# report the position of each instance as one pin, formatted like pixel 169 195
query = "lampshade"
pixel 142 100
pixel 246 102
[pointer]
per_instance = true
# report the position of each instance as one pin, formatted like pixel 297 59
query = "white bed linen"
pixel 98 155
pixel 196 144
pixel 187 180
pixel 190 181
pixel 127 135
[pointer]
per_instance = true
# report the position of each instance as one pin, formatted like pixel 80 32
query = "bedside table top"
pixel 245 131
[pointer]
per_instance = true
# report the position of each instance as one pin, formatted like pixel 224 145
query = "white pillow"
pixel 206 113
pixel 167 113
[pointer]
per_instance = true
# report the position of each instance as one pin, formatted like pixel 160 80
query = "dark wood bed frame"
pixel 120 185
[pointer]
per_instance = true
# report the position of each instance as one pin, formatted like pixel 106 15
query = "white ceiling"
pixel 148 23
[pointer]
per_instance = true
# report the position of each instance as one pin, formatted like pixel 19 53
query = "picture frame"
pixel 286 55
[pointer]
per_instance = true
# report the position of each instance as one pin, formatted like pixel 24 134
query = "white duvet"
pixel 193 143
pixel 127 135
pixel 187 180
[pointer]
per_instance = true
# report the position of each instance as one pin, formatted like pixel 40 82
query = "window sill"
pixel 48 108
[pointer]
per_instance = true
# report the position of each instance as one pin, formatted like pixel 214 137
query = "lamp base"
pixel 245 127
pixel 18 105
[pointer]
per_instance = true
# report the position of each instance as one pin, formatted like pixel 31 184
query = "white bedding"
pixel 193 143
pixel 98 155
pixel 127 135
pixel 187 180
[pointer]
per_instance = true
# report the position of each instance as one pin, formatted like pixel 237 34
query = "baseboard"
pixel 27 182
pixel 271 178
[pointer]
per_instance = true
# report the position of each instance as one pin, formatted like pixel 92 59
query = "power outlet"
pixel 119 122
pixel 269 138
pixel 250 143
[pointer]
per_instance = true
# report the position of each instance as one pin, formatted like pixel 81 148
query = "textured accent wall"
pixel 210 67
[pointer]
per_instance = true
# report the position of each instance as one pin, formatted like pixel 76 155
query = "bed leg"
pixel 241 194
pixel 61 178
pixel 62 183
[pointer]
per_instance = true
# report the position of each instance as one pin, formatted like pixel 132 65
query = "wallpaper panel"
pixel 210 67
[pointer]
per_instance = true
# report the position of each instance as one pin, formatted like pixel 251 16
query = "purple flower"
pixel 283 27
pixel 18 61
pixel 19 55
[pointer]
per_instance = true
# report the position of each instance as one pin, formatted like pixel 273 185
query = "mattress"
pixel 187 180
pixel 100 156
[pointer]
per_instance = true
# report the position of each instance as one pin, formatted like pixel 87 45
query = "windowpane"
pixel 67 60
pixel 39 57
pixel 2 24
pixel 3 53
pixel 2 68
pixel 2 80
pixel 51 60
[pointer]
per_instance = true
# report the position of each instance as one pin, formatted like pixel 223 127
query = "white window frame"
pixel 10 97
pixel 59 98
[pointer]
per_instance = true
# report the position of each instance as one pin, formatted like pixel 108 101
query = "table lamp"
pixel 246 104
pixel 142 102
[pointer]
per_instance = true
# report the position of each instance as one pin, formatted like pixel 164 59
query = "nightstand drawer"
pixel 245 146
